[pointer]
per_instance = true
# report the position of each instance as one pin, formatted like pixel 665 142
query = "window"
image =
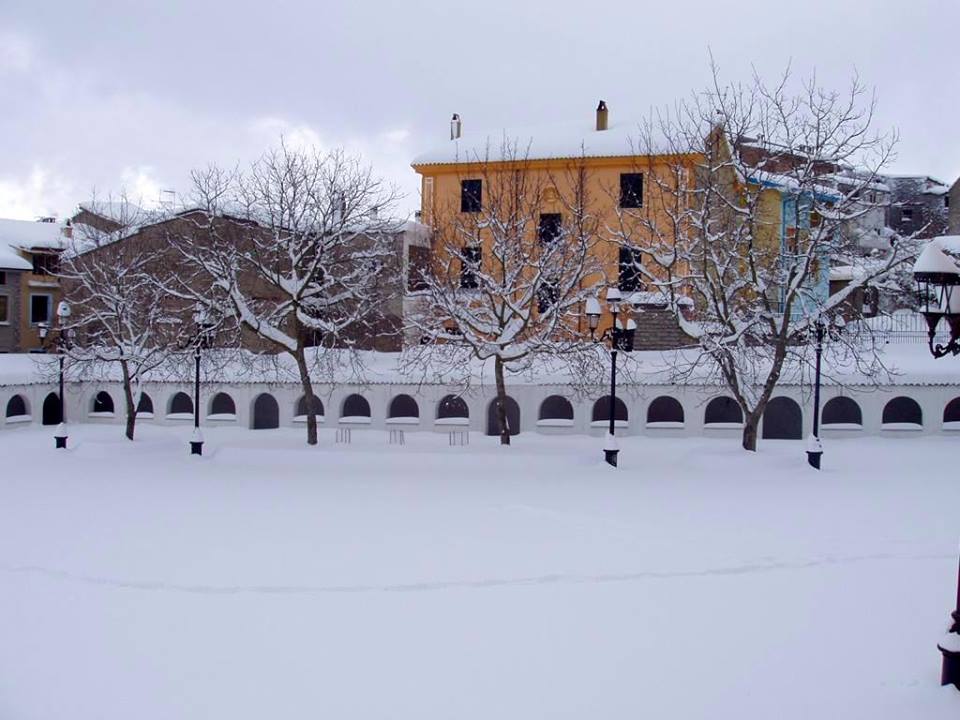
pixel 3 277
pixel 906 215
pixel 631 279
pixel 547 295
pixel 550 226
pixel 40 306
pixel 631 190
pixel 4 309
pixel 45 264
pixel 471 193
pixel 470 258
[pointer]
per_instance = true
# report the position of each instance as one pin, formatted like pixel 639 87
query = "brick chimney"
pixel 602 116
pixel 455 127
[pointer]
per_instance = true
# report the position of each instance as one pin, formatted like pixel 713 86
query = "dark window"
pixel 630 278
pixel 471 193
pixel 782 420
pixel 418 265
pixel 556 407
pixel 902 410
pixel 103 403
pixel 551 225
pixel 40 308
pixel 906 215
pixel 51 409
pixel 951 413
pixel 4 309
pixel 665 409
pixel 631 190
pixel 16 407
pixel 471 257
pixel 45 264
pixel 601 410
pixel 355 406
pixel 547 295
pixel 3 277
pixel 722 410
pixel 403 406
pixel 452 407
pixel 303 406
pixel 222 404
pixel 181 403
pixel 266 413
pixel 513 417
pixel 144 404
pixel 841 411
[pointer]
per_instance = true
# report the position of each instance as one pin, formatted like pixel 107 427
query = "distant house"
pixel 953 209
pixel 918 204
pixel 29 289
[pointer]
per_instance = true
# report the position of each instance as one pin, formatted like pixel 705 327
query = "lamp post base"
pixel 196 447
pixel 950 670
pixel 813 458
pixel 610 457
pixel 61 442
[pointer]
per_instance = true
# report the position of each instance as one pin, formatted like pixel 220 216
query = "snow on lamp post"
pixel 937 273
pixel 621 338
pixel 201 319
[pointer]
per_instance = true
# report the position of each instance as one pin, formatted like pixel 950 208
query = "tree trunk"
pixel 501 402
pixel 308 394
pixel 751 423
pixel 128 398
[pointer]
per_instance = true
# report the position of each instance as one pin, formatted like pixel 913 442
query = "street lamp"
pixel 63 313
pixel 204 325
pixel 621 338
pixel 937 272
pixel 820 328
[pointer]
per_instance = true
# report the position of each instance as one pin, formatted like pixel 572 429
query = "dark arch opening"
pixel 222 404
pixel 722 410
pixel 841 411
pixel 452 406
pixel 556 407
pixel 144 404
pixel 182 404
pixel 782 419
pixel 355 406
pixel 601 410
pixel 102 402
pixel 51 410
pixel 303 407
pixel 951 413
pixel 665 409
pixel 16 406
pixel 266 412
pixel 403 406
pixel 902 410
pixel 513 417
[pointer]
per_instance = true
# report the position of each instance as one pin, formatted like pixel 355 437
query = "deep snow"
pixel 269 579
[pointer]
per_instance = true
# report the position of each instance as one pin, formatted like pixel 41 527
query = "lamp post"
pixel 620 339
pixel 201 320
pixel 820 328
pixel 63 313
pixel 937 273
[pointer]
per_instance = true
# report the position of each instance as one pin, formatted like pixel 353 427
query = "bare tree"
pixel 295 250
pixel 759 197
pixel 508 280
pixel 120 316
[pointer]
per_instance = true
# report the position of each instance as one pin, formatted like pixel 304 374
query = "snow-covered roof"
pixel 537 143
pixel 26 235
pixel 123 212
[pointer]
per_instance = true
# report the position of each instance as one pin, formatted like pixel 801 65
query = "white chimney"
pixel 455 127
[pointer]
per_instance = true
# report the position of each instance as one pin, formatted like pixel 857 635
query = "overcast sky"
pixel 132 95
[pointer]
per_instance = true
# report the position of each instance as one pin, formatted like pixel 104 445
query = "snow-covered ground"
pixel 272 580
